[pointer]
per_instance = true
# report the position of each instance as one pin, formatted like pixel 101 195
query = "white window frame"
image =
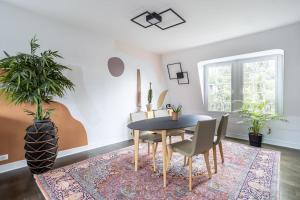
pixel 206 81
pixel 237 73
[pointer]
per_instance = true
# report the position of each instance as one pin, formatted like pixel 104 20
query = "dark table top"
pixel 165 123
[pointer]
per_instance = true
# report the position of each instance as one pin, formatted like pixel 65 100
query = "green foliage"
pixel 256 115
pixel 219 88
pixel 176 109
pixel 32 78
pixel 150 94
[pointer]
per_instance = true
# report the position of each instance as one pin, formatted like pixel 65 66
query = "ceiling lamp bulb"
pixel 153 18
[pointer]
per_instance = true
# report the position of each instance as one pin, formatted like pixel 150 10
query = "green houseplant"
pixel 35 79
pixel 150 96
pixel 257 116
pixel 176 111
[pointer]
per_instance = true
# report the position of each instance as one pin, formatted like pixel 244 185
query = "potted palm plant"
pixel 175 112
pixel 257 116
pixel 149 105
pixel 35 79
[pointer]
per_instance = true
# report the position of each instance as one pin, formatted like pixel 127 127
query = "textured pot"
pixel 174 116
pixel 255 139
pixel 41 145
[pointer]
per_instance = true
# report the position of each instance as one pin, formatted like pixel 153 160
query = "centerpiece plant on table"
pixel 150 96
pixel 176 111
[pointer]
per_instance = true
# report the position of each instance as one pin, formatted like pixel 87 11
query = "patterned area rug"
pixel 248 173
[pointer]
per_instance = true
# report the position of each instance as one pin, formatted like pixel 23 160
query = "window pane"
pixel 219 88
pixel 259 82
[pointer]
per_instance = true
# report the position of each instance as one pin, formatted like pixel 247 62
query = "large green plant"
pixel 150 94
pixel 256 115
pixel 33 78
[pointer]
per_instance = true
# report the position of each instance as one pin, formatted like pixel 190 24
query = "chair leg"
pixel 155 149
pixel 221 151
pixel 206 157
pixel 170 139
pixel 182 136
pixel 153 156
pixel 170 152
pixel 136 149
pixel 215 158
pixel 148 148
pixel 184 161
pixel 190 173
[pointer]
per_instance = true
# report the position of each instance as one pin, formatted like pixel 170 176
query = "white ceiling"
pixel 207 20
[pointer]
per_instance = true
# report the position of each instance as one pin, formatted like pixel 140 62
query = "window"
pixel 219 87
pixel 259 81
pixel 255 77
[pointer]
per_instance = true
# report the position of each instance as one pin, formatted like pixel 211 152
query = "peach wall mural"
pixel 13 122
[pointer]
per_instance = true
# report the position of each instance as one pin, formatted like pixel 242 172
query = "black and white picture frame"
pixel 184 80
pixel 180 75
pixel 173 69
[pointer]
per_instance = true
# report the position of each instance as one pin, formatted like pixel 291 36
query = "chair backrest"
pixel 137 116
pixel 161 113
pixel 204 136
pixel 222 128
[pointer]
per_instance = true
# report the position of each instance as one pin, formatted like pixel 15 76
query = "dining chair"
pixel 221 133
pixel 148 137
pixel 201 143
pixel 137 116
pixel 170 133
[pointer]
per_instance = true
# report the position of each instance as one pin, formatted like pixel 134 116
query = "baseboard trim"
pixel 275 142
pixel 22 163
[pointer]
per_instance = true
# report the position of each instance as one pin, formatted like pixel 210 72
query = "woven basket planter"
pixel 41 145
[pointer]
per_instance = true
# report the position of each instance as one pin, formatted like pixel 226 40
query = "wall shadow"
pixel 13 122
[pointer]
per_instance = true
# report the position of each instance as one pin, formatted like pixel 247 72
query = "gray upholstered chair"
pixel 170 133
pixel 148 137
pixel 201 143
pixel 221 133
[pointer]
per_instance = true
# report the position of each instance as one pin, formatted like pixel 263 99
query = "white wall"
pixel 101 102
pixel 286 38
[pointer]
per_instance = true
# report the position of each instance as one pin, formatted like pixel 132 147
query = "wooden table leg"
pixel 165 156
pixel 136 148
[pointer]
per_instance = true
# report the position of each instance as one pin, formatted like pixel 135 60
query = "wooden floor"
pixel 19 184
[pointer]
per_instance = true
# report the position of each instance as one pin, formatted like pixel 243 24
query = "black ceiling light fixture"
pixel 163 20
pixel 153 18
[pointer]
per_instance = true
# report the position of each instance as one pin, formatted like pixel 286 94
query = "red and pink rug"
pixel 248 173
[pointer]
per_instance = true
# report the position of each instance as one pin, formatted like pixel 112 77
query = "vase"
pixel 255 139
pixel 41 146
pixel 149 107
pixel 174 116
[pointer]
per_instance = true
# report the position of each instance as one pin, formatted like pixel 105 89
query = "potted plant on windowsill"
pixel 176 112
pixel 257 116
pixel 35 79
pixel 150 96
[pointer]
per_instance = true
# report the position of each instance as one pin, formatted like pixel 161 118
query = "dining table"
pixel 161 125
